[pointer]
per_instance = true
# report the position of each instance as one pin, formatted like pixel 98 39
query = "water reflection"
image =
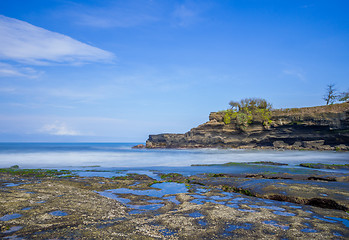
pixel 9 217
pixel 58 213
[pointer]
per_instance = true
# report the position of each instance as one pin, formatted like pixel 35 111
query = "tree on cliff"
pixel 344 96
pixel 330 96
pixel 251 104
pixel 248 110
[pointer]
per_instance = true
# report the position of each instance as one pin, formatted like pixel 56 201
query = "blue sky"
pixel 121 70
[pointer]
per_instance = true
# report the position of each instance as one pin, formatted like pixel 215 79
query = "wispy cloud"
pixel 58 128
pixel 295 73
pixel 184 15
pixel 74 95
pixel 121 14
pixel 25 43
pixel 189 13
pixel 307 6
pixel 7 89
pixel 122 19
pixel 126 14
pixel 8 70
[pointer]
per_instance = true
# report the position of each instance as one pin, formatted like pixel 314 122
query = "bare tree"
pixel 330 96
pixel 344 96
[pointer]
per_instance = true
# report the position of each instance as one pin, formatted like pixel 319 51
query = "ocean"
pixel 114 156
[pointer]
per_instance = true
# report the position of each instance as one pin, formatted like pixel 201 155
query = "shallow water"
pixel 139 209
pixel 276 224
pixel 160 190
pixel 344 221
pixel 172 199
pixel 119 159
pixel 9 217
pixel 26 208
pixel 13 229
pixel 167 232
pixel 58 213
pixel 11 184
pixel 202 222
pixel 308 230
pixel 195 215
pixel 232 200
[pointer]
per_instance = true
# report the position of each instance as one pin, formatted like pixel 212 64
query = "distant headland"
pixel 252 124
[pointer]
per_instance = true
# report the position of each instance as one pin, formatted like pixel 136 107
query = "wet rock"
pixel 324 166
pixel 329 179
pixel 269 163
pixel 287 190
pixel 203 213
pixel 280 144
pixel 139 146
pixel 316 144
pixel 326 203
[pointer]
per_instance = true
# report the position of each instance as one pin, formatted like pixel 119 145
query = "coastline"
pixel 137 206
pixel 171 194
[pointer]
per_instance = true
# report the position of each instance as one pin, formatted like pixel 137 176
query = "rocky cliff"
pixel 317 128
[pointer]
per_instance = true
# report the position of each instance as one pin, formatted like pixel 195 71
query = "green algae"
pixel 223 164
pixel 132 176
pixel 123 178
pixel 269 163
pixel 171 175
pixel 246 192
pixel 216 175
pixel 15 170
pixel 324 166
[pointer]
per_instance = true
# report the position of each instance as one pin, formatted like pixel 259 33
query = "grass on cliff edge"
pixel 310 111
pixel 333 108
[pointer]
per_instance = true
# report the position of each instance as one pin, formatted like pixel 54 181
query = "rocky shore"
pixel 312 128
pixel 34 205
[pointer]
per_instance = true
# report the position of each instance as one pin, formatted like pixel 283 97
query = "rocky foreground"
pixel 209 206
pixel 313 128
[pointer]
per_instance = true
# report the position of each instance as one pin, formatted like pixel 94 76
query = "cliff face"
pixel 318 128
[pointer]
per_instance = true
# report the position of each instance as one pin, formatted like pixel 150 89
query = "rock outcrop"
pixel 312 128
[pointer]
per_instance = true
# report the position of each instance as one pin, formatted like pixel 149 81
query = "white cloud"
pixel 26 43
pixel 8 70
pixel 59 128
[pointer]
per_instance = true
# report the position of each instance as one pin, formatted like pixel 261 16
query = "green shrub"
pixel 227 117
pixel 247 111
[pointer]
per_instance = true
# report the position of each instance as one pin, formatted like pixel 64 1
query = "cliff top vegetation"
pixel 333 108
pixel 248 110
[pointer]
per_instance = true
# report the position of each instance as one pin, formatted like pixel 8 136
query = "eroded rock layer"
pixel 312 128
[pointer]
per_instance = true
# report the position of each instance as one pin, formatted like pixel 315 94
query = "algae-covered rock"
pixel 205 207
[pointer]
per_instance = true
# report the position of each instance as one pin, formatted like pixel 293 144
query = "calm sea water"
pixel 122 156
